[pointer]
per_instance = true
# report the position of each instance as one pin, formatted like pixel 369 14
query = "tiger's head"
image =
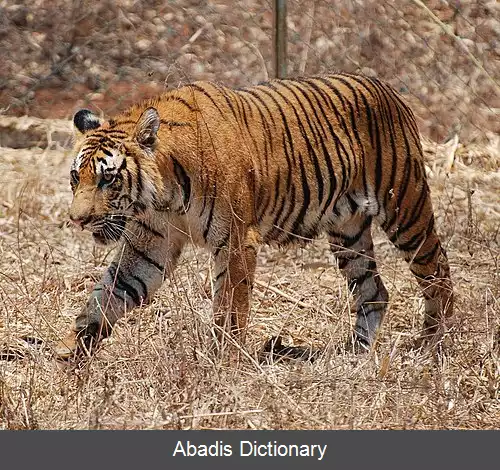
pixel 113 176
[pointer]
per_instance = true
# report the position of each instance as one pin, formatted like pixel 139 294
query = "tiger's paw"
pixel 437 342
pixel 68 347
pixel 274 348
pixel 75 345
pixel 354 345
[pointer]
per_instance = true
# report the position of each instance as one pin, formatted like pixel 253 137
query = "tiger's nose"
pixel 79 221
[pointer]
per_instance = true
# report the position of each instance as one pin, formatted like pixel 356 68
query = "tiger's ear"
pixel 147 126
pixel 85 121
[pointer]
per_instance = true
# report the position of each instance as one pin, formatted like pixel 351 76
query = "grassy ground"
pixel 155 371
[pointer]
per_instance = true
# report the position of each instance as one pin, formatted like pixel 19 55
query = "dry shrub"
pixel 62 54
pixel 156 370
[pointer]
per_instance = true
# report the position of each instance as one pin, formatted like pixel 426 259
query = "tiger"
pixel 231 169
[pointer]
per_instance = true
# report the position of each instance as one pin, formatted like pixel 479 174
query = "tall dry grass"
pixel 156 371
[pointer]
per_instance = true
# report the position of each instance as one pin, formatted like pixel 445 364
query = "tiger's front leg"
pixel 235 263
pixel 144 259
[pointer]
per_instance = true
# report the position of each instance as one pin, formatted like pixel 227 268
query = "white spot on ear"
pixel 85 121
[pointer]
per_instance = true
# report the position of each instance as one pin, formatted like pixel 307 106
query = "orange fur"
pixel 276 163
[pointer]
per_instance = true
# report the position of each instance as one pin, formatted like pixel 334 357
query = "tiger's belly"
pixel 298 222
pixel 293 222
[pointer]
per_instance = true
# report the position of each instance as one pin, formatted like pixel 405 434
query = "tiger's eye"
pixel 107 178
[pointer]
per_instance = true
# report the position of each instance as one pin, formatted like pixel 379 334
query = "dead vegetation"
pixel 155 371
pixel 62 55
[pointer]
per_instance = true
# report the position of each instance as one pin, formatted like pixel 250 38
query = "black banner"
pixel 249 449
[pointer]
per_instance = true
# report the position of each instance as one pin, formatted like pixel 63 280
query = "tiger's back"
pixel 276 163
pixel 306 148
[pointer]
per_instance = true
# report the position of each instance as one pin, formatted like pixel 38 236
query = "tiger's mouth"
pixel 110 230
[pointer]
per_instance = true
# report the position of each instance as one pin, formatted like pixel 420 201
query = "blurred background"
pixel 60 55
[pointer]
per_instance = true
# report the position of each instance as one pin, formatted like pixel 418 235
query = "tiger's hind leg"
pixel 351 242
pixel 411 230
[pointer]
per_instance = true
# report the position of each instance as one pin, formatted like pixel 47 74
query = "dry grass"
pixel 61 55
pixel 155 371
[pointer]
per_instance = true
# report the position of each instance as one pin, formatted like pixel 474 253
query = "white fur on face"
pixel 111 164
